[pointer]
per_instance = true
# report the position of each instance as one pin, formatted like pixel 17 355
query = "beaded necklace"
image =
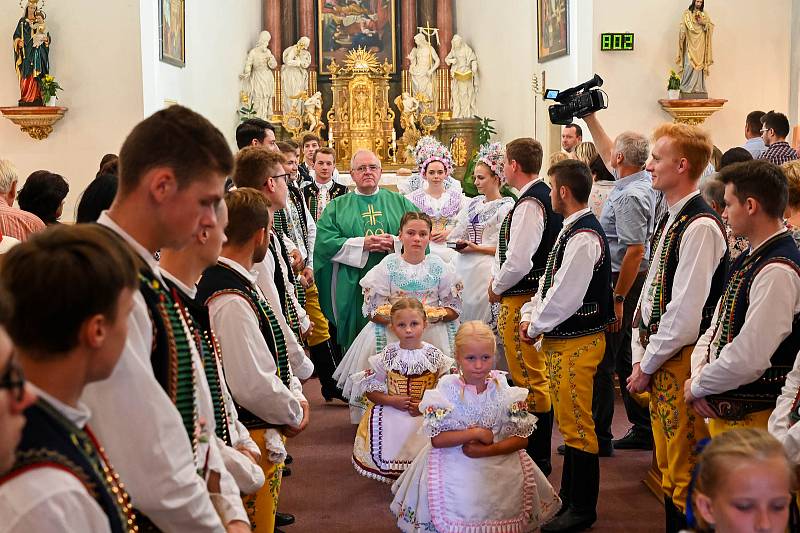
pixel 182 385
pixel 94 454
pixel 208 348
pixel 661 273
pixel 291 313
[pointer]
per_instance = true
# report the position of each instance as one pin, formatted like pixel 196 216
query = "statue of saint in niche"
pixel 694 50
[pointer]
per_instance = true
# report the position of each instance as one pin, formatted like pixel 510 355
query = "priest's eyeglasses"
pixel 364 168
pixel 13 380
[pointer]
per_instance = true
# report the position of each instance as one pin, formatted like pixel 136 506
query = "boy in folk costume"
pixel 62 479
pixel 741 362
pixel 526 237
pixel 319 192
pixel 172 174
pixel 296 223
pixel 258 371
pixel 684 282
pixel 571 310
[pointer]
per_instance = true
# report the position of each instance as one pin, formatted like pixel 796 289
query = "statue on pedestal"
pixel 294 73
pixel 694 50
pixel 31 53
pixel 464 73
pixel 258 78
pixel 312 112
pixel 423 64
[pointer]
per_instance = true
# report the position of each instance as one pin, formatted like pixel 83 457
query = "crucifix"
pixel 428 31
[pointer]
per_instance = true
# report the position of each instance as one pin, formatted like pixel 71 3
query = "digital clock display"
pixel 616 41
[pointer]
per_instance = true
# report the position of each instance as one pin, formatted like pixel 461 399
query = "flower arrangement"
pixel 492 155
pixel 674 82
pixel 49 86
pixel 518 409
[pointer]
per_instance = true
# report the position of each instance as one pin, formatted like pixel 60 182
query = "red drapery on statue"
pixel 29 89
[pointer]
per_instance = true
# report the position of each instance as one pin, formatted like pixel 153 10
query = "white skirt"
pixel 475 270
pixel 445 491
pixel 371 341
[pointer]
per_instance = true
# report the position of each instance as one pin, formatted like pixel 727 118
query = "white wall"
pixel 218 37
pixel 751 69
pixel 752 48
pixel 97 61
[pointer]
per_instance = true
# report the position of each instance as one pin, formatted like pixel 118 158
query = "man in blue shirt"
pixel 752 132
pixel 628 219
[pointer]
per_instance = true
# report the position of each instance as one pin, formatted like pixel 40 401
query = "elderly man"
pixel 354 233
pixel 628 221
pixel 14 222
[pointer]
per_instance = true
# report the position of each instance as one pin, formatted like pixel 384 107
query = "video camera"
pixel 579 101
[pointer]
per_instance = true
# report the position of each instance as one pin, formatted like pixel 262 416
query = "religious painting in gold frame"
pixel 172 32
pixel 553 29
pixel 346 25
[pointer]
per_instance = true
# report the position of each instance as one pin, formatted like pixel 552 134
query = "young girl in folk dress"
pixel 437 201
pixel 742 482
pixel 388 436
pixel 476 233
pixel 411 274
pixel 475 477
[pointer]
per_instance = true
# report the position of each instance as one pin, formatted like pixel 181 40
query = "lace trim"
pixel 414 362
pixel 415 278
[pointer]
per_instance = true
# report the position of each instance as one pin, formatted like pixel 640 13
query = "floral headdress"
pixel 428 150
pixel 493 155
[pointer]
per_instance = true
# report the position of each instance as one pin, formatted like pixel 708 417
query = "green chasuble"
pixel 345 217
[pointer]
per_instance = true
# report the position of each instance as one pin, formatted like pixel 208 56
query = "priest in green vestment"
pixel 354 233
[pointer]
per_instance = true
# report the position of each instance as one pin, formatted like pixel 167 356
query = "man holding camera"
pixel 628 221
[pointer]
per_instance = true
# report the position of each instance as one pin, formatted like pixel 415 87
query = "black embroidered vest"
pixel 694 209
pixel 311 196
pixel 196 316
pixel 51 440
pixel 597 310
pixel 762 393
pixel 221 279
pixel 280 258
pixel 539 192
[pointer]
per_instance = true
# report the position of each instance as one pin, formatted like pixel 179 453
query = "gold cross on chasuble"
pixel 371 219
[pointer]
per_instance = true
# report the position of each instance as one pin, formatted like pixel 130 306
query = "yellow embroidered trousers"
pixel 677 428
pixel 262 506
pixel 526 364
pixel 571 365
pixel 320 331
pixel 758 420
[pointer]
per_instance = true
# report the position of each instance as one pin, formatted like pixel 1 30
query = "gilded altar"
pixel 360 116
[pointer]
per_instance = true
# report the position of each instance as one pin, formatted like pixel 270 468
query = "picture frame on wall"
pixel 345 26
pixel 172 32
pixel 553 29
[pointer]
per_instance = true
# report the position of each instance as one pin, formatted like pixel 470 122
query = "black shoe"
pixel 634 440
pixel 283 519
pixel 605 450
pixel 286 471
pixel 561 449
pixel 289 459
pixel 334 395
pixel 276 530
pixel 569 521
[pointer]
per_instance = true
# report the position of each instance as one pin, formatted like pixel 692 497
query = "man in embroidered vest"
pixel 181 269
pixel 62 480
pixel 571 310
pixel 253 345
pixel 322 189
pixel 526 237
pixel 684 282
pixel 310 144
pixel 263 171
pixel 740 363
pixel 302 230
pixel 15 396
pixel 172 171
pixel 354 233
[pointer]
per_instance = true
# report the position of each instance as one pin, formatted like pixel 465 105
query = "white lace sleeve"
pixel 375 287
pixel 450 288
pixel 373 379
pixel 517 421
pixel 460 229
pixel 435 409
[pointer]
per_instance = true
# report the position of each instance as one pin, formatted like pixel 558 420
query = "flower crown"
pixel 493 155
pixel 428 150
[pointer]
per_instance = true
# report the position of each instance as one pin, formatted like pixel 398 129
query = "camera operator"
pixel 628 219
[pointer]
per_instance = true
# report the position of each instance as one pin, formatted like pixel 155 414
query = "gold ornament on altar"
pixel 360 116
